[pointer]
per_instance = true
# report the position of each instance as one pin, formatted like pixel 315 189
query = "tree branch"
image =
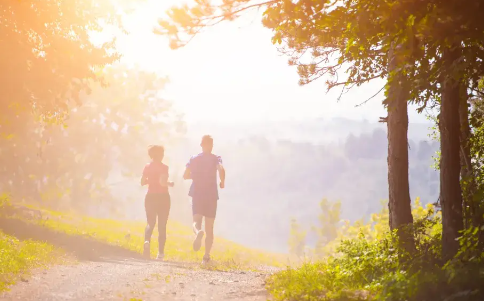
pixel 374 95
pixel 224 16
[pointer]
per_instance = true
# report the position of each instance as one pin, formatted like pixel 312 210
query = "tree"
pixel 327 230
pixel 69 166
pixel 454 62
pixel 399 202
pixel 47 57
pixel 297 239
pixel 450 190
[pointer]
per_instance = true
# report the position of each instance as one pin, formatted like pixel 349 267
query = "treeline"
pixel 71 115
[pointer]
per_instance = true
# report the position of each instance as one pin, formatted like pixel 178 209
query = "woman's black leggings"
pixel 157 205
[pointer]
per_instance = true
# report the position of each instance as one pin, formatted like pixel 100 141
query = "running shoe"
pixel 206 259
pixel 146 250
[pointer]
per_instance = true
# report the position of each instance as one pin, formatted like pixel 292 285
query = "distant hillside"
pixel 314 131
pixel 275 175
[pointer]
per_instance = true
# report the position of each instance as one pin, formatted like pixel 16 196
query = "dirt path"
pixel 137 279
pixel 106 272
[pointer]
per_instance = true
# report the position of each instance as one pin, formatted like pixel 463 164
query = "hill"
pixel 32 237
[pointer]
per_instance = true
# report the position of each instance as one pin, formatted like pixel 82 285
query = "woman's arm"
pixel 164 179
pixel 144 177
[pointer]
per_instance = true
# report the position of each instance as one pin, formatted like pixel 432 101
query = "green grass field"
pixel 178 246
pixel 19 256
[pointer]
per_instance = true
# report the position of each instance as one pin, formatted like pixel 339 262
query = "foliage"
pixel 372 267
pixel 51 65
pixel 108 133
pixel 476 142
pixel 47 56
pixel 376 228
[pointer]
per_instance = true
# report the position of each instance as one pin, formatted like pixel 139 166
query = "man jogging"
pixel 202 169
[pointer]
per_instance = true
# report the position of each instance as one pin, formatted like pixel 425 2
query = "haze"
pixel 232 83
pixel 285 147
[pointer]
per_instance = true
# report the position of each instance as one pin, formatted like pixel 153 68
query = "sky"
pixel 232 73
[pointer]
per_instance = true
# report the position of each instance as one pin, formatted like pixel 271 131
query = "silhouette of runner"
pixel 202 170
pixel 157 200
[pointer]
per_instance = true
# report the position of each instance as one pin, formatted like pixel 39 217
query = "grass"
pixel 19 257
pixel 130 235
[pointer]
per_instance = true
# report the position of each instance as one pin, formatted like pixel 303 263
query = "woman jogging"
pixel 157 200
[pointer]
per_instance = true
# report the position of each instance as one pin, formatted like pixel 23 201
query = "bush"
pixel 371 266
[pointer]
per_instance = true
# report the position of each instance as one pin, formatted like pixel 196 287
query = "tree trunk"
pixel 466 172
pixel 450 190
pixel 399 205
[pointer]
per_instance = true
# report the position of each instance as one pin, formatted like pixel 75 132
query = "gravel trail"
pixel 133 279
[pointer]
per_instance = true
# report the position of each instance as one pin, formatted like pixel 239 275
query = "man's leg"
pixel 211 212
pixel 209 221
pixel 197 223
pixel 197 211
pixel 197 229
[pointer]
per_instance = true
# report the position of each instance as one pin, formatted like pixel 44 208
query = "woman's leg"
pixel 163 213
pixel 150 208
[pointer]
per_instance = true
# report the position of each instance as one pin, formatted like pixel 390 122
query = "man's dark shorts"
pixel 204 207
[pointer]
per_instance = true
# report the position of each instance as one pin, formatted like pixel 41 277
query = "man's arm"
pixel 187 175
pixel 221 172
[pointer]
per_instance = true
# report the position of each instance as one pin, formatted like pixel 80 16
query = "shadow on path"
pixel 84 248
